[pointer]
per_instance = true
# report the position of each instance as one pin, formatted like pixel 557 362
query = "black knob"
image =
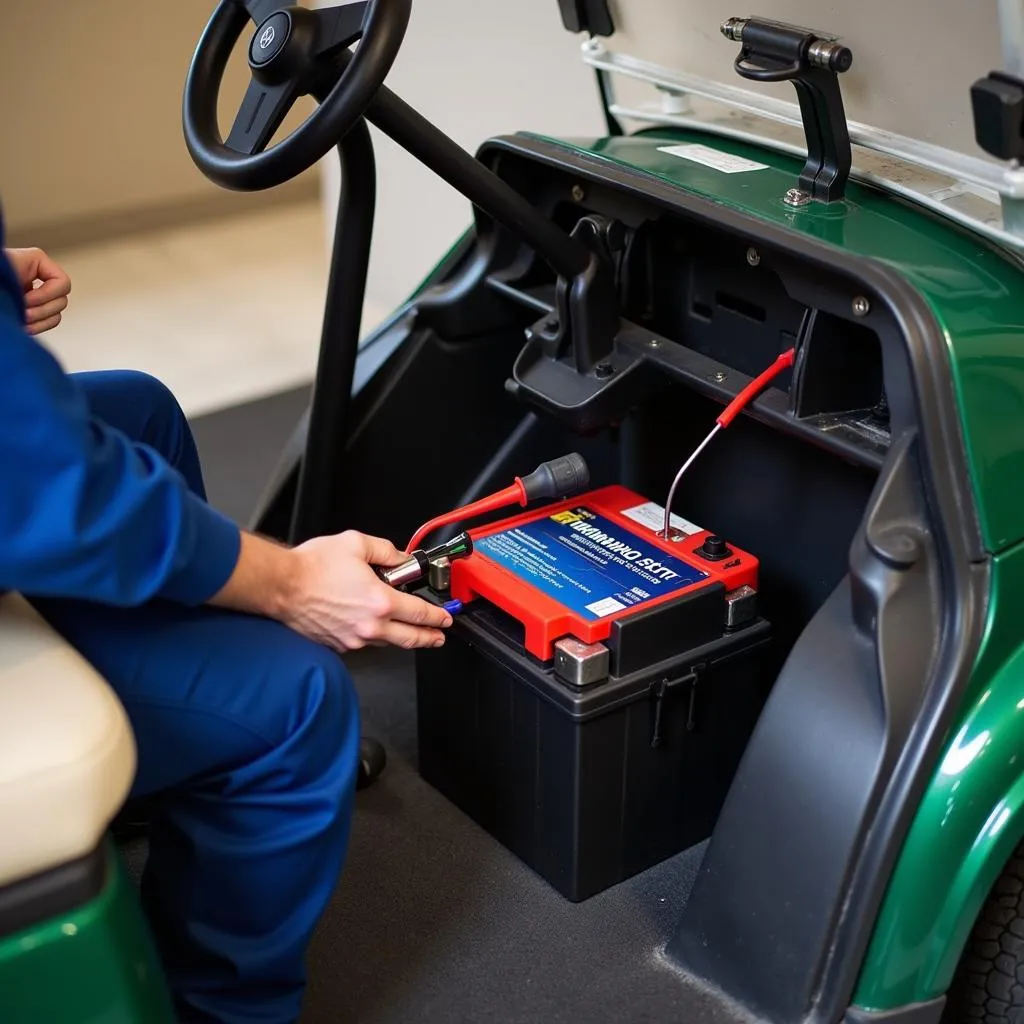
pixel 714 549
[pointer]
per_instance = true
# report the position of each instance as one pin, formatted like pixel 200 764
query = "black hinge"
pixel 784 53
pixel 591 16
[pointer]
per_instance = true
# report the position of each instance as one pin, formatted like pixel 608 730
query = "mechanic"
pixel 223 646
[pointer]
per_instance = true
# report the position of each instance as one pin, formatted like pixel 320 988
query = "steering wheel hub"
pixel 269 39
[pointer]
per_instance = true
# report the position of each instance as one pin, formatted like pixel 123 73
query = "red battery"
pixel 578 567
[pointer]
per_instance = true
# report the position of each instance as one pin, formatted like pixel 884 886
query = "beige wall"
pixel 914 60
pixel 90 111
pixel 476 68
pixel 90 95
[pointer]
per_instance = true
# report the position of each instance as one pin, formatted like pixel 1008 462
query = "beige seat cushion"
pixel 67 755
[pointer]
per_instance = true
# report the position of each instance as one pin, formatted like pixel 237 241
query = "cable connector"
pixel 559 478
pixel 418 564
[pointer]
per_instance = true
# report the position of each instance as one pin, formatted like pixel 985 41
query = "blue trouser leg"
pixel 248 737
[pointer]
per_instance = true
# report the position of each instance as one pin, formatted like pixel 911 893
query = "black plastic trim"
pixel 702 374
pixel 52 893
pixel 962 557
pixel 488 628
pixel 915 1013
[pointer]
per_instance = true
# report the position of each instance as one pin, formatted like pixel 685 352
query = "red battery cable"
pixel 514 495
pixel 732 410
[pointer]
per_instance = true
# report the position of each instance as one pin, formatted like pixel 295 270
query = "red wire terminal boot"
pixel 556 479
pixel 732 410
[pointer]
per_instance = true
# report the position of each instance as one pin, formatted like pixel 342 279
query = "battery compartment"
pixel 590 785
pixel 573 780
pixel 530 663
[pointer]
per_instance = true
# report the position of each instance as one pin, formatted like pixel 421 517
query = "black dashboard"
pixel 706 305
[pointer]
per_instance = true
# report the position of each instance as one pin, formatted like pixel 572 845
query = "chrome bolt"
pixel 654 343
pixel 796 197
pixel 733 29
pixel 753 256
pixel 861 306
pixel 578 194
pixel 720 377
pixel 825 53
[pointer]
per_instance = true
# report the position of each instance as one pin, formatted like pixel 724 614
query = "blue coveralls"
pixel 247 733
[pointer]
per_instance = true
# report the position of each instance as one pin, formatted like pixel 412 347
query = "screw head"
pixel 753 256
pixel 654 343
pixel 604 370
pixel 796 197
pixel 861 306
pixel 578 194
pixel 720 377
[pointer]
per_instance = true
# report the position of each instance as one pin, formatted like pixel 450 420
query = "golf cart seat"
pixel 67 754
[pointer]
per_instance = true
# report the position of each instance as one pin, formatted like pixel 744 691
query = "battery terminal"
pixel 439 574
pixel 581 664
pixel 740 607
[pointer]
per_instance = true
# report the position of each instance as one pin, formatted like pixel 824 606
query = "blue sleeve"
pixel 84 511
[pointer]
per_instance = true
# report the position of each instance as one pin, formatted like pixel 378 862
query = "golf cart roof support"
pixel 594 18
pixel 591 16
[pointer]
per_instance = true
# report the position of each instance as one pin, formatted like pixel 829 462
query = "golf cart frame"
pixel 882 770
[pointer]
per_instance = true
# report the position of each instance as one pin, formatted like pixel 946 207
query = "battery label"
pixel 587 563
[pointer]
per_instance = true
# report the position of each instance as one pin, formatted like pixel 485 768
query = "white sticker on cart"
pixel 652 516
pixel 724 162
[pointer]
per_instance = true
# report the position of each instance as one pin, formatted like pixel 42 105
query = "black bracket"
pixel 592 16
pixel 998 105
pixel 587 305
pixel 784 53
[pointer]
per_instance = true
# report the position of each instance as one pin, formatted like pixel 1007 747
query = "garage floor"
pixel 433 921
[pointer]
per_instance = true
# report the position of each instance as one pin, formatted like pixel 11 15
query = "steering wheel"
pixel 294 51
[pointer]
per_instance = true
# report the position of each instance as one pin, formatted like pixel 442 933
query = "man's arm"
pixel 86 513
pixel 326 590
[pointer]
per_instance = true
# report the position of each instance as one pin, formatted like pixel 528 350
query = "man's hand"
pixel 326 590
pixel 46 288
pixel 340 601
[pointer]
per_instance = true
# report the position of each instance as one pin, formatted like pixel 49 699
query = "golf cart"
pixel 814 678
